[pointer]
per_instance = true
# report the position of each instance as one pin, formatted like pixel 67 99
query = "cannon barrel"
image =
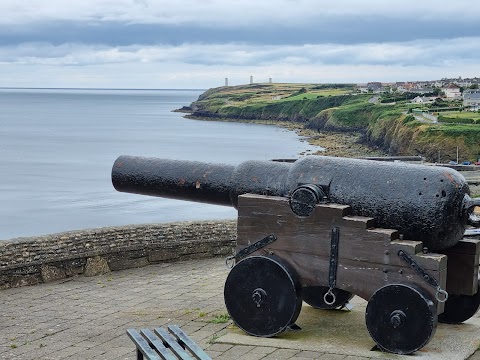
pixel 424 203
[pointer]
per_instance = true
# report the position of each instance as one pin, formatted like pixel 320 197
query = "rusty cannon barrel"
pixel 425 203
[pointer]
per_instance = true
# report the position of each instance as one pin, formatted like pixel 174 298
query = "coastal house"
pixel 471 99
pixel 406 86
pixel 452 91
pixel 422 85
pixel 422 100
pixel 421 90
pixel 463 83
pixel 375 86
pixel 362 88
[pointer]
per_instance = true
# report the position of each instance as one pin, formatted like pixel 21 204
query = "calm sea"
pixel 57 148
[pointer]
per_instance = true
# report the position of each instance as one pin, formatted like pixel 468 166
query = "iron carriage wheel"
pixel 401 318
pixel 263 295
pixel 460 308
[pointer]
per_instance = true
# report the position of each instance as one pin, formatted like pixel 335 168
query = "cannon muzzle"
pixel 217 184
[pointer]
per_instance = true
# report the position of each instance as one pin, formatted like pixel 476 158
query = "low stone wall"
pixel 29 261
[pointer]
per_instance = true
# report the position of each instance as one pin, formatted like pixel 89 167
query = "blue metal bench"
pixel 162 345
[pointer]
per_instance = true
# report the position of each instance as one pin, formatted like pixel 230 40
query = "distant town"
pixel 438 120
pixel 454 89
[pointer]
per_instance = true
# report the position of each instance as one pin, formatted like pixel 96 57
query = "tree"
pixel 438 103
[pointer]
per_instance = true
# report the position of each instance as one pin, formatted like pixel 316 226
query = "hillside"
pixel 340 108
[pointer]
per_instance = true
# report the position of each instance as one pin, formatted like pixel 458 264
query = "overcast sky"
pixel 197 43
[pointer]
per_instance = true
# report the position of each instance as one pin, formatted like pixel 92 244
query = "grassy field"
pixel 462 114
pixel 313 94
pixel 340 107
pixel 270 93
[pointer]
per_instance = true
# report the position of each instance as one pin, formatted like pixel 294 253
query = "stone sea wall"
pixel 34 260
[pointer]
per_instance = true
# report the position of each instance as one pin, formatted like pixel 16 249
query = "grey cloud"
pixel 90 41
pixel 239 13
pixel 413 53
pixel 345 30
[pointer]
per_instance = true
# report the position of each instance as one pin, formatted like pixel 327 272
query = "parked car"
pixel 466 163
pixel 452 162
pixel 477 163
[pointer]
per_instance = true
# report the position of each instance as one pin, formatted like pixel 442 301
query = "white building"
pixel 471 99
pixel 452 91
pixel 422 100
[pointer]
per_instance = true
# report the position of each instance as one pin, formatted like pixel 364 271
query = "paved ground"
pixel 86 318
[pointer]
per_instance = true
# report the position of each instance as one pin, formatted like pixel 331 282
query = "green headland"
pixel 348 122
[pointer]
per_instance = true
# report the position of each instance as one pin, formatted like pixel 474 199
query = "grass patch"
pixel 220 319
pixel 459 117
pixel 213 339
pixel 462 114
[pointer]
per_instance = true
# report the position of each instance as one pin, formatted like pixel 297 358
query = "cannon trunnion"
pixel 323 229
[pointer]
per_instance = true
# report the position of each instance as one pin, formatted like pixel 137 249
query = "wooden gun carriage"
pixel 323 229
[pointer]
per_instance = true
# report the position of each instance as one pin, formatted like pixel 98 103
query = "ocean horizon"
pixel 94 88
pixel 57 147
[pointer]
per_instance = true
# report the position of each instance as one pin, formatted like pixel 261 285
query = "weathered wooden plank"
pixel 163 346
pixel 408 246
pixel 393 234
pixel 363 222
pixel 330 209
pixel 191 345
pixel 368 258
pixel 465 246
pixel 462 275
pixel 157 343
pixel 358 277
pixel 143 347
pixel 463 260
pixel 172 344
pixel 260 216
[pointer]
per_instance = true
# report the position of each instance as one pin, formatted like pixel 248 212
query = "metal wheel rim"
pixel 279 306
pixel 417 326
pixel 460 308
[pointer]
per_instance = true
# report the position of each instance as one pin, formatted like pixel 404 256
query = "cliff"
pixel 341 108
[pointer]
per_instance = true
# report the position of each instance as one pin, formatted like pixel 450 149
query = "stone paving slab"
pixel 87 317
pixel 344 333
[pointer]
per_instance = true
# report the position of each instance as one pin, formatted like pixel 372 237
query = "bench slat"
pixel 197 351
pixel 165 354
pixel 142 345
pixel 172 342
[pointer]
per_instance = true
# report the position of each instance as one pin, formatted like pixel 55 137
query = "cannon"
pixel 322 229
